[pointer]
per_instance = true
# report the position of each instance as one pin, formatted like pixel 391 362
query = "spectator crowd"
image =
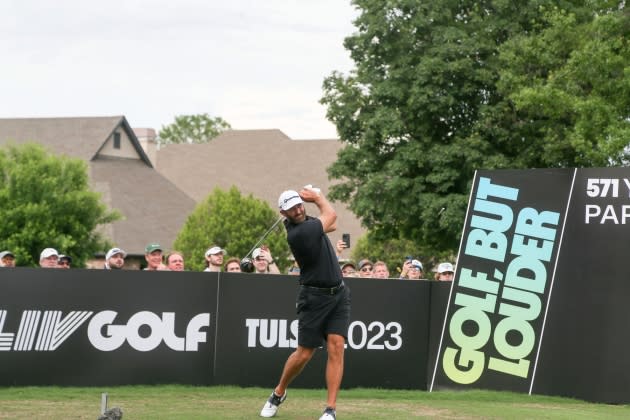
pixel 263 262
pixel 411 269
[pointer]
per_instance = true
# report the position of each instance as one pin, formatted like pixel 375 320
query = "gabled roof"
pixel 260 162
pixel 153 208
pixel 81 137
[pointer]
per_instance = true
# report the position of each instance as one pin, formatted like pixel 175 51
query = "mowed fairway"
pixel 188 402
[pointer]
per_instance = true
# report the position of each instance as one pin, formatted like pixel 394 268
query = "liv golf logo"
pixel 53 330
pixel 47 330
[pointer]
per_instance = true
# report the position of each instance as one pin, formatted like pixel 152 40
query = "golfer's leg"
pixel 334 367
pixel 293 366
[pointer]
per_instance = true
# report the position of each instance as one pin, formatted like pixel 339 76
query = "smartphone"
pixel 346 238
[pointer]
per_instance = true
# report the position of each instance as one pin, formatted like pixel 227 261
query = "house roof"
pixel 261 162
pixel 154 209
pixel 81 137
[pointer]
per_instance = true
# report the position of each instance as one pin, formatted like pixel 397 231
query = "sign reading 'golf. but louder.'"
pixel 539 303
pixel 505 267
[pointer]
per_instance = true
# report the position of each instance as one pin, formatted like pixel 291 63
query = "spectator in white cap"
pixel 49 258
pixel 412 269
pixel 445 272
pixel 7 259
pixel 415 271
pixel 214 258
pixel 263 261
pixel 115 259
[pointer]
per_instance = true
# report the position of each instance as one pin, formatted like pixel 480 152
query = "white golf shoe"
pixel 329 414
pixel 271 406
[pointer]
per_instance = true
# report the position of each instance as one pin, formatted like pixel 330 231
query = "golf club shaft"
pixel 264 236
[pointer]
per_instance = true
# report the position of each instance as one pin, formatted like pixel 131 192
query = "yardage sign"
pixel 504 271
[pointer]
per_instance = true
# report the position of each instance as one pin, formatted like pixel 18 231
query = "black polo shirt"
pixel 314 253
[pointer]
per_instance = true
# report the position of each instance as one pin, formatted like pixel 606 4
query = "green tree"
pixel 566 92
pixel 425 107
pixel 199 128
pixel 45 201
pixel 234 222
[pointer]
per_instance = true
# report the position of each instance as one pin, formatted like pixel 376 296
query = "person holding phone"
pixel 346 239
pixel 342 244
pixel 411 269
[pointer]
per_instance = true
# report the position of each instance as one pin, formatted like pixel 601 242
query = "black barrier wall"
pixel 386 347
pixel 96 327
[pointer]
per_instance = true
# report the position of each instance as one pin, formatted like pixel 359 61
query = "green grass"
pixel 188 402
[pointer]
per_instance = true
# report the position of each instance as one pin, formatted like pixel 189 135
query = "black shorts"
pixel 321 313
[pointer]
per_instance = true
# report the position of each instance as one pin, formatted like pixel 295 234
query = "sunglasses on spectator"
pixel 366 269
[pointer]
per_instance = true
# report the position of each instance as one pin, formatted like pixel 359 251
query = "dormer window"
pixel 116 140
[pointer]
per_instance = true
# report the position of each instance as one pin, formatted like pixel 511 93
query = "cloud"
pixel 257 64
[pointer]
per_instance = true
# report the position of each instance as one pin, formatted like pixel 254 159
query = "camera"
pixel 247 266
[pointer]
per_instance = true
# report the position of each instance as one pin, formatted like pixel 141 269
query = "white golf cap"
pixel 256 253
pixel 288 199
pixel 215 250
pixel 6 254
pixel 48 252
pixel 417 264
pixel 445 267
pixel 113 252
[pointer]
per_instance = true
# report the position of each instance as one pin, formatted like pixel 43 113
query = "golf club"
pixel 247 265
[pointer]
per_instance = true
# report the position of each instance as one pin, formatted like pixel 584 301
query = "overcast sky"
pixel 256 63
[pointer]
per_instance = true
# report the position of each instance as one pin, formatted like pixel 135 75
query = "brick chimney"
pixel 149 142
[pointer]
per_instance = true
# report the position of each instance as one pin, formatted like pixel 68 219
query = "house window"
pixel 116 140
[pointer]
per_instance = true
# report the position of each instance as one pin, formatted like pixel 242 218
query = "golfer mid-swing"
pixel 323 302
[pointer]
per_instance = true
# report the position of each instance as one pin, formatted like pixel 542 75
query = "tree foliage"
pixel 441 89
pixel 566 91
pixel 199 128
pixel 45 201
pixel 234 222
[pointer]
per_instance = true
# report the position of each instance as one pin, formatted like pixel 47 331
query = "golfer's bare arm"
pixel 327 214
